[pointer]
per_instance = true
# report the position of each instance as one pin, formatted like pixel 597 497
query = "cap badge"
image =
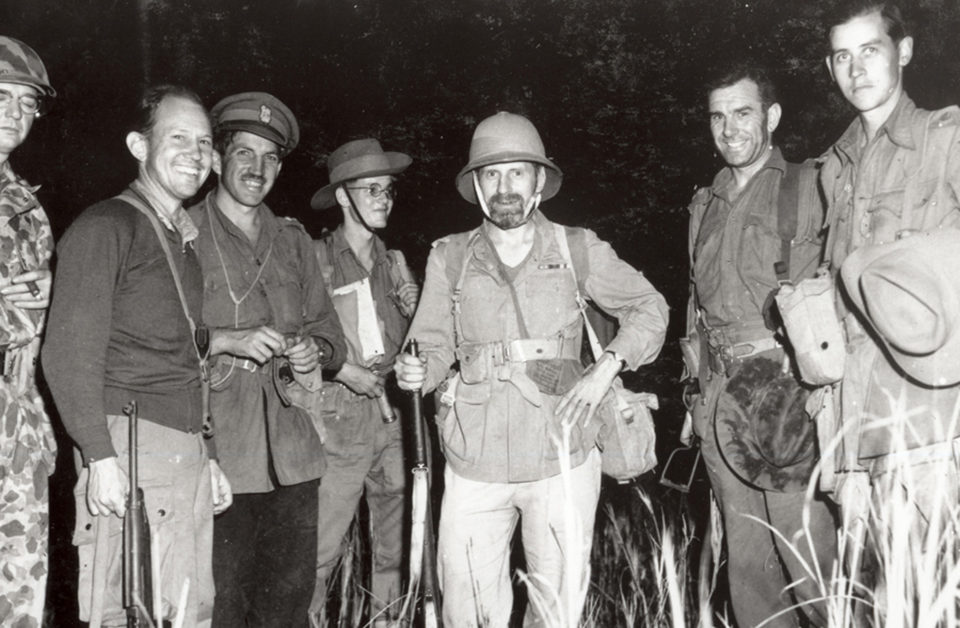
pixel 265 114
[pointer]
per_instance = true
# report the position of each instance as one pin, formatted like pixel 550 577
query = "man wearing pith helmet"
pixel 375 297
pixel 515 329
pixel 264 296
pixel 27 447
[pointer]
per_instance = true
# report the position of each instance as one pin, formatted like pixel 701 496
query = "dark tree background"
pixel 614 86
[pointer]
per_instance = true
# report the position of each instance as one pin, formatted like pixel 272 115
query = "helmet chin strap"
pixel 532 204
pixel 356 212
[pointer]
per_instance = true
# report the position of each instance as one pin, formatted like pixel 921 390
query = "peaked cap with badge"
pixel 259 113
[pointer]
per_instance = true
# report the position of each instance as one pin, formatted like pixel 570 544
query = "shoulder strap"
pixel 131 199
pixel 324 256
pixel 201 336
pixel 455 254
pixel 560 233
pixel 788 209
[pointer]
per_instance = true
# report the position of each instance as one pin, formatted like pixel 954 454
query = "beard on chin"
pixel 506 210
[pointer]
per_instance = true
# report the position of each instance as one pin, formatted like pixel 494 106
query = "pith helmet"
pixel 20 64
pixel 505 137
pixel 356 160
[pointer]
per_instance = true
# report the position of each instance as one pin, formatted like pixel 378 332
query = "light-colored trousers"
pixel 477 522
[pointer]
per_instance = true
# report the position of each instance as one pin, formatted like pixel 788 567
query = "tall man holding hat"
pixel 375 297
pixel 27 447
pixel 756 438
pixel 264 298
pixel 503 302
pixel 892 183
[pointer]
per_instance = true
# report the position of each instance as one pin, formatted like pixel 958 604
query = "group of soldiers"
pixel 266 365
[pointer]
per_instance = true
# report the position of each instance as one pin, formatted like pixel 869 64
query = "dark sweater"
pixel 117 330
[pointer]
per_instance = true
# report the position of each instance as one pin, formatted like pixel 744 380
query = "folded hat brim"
pixel 392 163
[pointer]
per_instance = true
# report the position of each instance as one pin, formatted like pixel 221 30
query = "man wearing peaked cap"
pixel 27 447
pixel 515 328
pixel 264 298
pixel 375 297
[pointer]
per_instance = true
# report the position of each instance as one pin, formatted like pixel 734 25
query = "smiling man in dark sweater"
pixel 118 332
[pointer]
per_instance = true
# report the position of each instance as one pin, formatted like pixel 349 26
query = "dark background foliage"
pixel 614 86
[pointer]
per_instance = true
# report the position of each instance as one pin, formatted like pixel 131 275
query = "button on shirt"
pixel 274 282
pixel 735 244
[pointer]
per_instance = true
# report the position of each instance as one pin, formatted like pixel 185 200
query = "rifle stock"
pixel 137 592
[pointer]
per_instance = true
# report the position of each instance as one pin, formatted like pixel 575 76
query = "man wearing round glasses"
pixel 27 446
pixel 375 298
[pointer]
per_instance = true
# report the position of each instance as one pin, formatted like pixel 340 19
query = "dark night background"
pixel 614 87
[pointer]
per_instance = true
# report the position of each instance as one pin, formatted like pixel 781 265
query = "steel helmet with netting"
pixel 20 64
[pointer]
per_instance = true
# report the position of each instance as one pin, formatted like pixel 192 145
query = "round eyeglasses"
pixel 29 103
pixel 375 190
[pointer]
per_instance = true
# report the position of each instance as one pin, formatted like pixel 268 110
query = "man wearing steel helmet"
pixel 127 295
pixel 515 329
pixel 375 298
pixel 265 298
pixel 27 447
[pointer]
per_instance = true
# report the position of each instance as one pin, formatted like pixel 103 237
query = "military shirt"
pixel 502 429
pixel 904 180
pixel 274 282
pixel 734 244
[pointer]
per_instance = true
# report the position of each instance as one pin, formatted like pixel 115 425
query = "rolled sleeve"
pixel 623 292
pixel 433 325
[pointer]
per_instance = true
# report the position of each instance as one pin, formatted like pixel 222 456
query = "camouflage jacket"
pixel 26 243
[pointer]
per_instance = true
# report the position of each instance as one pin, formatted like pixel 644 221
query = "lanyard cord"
pixel 226 274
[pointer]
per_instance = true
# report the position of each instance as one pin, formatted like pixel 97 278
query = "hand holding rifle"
pixel 423 560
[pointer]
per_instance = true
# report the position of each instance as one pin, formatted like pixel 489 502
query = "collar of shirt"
pixel 900 127
pixel 483 251
pixel 342 247
pixel 270 225
pixel 724 179
pixel 16 197
pixel 179 221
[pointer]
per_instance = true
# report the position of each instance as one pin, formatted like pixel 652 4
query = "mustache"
pixel 506 198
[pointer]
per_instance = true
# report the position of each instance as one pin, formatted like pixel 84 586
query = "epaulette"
pixel 447 239
pixel 293 222
pixel 948 116
pixel 700 198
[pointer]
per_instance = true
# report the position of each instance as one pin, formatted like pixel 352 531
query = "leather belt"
pixel 525 349
pixel 723 357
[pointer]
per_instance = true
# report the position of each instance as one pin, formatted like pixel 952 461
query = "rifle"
pixel 423 558
pixel 137 597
